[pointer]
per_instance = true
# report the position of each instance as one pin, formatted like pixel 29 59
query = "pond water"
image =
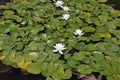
pixel 114 3
pixel 16 74
pixel 8 73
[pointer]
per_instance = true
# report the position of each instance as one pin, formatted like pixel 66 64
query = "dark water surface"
pixel 17 75
pixel 9 76
pixel 114 3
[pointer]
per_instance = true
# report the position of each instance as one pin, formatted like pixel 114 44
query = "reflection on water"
pixel 16 75
pixel 114 3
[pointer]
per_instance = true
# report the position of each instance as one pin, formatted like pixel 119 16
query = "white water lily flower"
pixel 59 48
pixel 66 8
pixel 66 16
pixel 78 32
pixel 59 3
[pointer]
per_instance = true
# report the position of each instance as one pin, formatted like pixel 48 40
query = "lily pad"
pixel 34 68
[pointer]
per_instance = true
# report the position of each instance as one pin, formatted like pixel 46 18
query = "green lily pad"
pixel 67 74
pixel 84 69
pixel 31 56
pixel 15 58
pixel 78 56
pixel 34 68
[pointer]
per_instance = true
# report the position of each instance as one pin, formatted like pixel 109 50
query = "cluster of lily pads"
pixel 59 38
pixel 59 47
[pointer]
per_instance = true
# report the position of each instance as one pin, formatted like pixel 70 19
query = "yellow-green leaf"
pixel 34 68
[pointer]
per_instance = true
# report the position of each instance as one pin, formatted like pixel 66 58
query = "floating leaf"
pixel 2 57
pixel 80 46
pixel 44 66
pixel 84 69
pixel 102 0
pixel 105 35
pixel 67 74
pixel 41 46
pixel 95 37
pixel 71 42
pixel 91 47
pixel 110 78
pixel 31 56
pixel 117 59
pixel 34 68
pixel 101 46
pixel 1 45
pixel 112 47
pixel 44 69
pixel 32 45
pixel 88 29
pixel 72 63
pixel 42 58
pixel 2 22
pixel 48 78
pixel 78 56
pixel 101 29
pixel 56 76
pixel 60 72
pixel 67 56
pixel 23 64
pixel 8 12
pixel 97 57
pixel 19 46
pixel 15 58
